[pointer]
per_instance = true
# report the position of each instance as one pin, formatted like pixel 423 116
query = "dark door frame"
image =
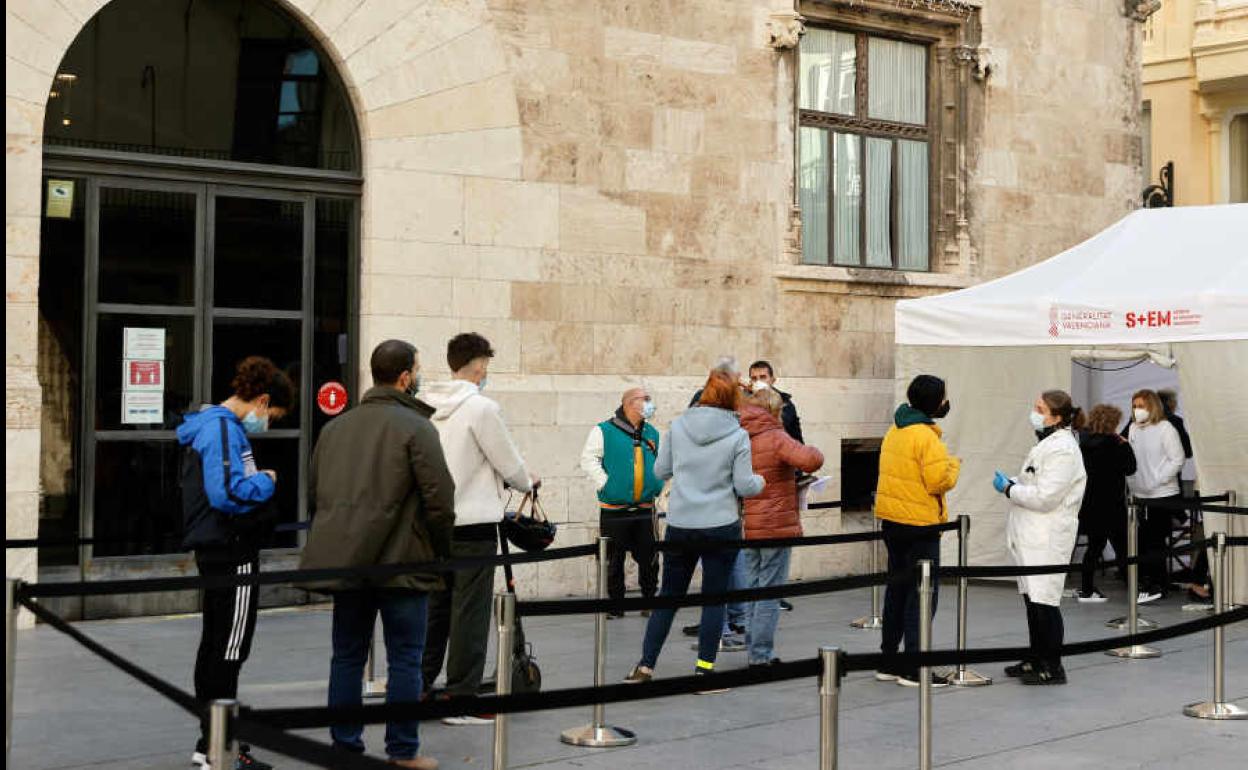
pixel 207 181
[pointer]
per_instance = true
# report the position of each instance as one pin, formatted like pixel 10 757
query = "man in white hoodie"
pixel 483 461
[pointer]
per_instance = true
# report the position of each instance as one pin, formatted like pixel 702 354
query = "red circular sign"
pixel 332 398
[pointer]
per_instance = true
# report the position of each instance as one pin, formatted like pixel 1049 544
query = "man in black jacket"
pixel 761 371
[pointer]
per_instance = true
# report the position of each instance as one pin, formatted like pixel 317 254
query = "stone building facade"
pixel 609 190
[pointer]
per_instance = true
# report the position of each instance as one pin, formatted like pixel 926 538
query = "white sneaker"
pixel 1096 597
pixel 937 681
pixel 1145 597
pixel 468 719
pixel 884 676
pixel 200 760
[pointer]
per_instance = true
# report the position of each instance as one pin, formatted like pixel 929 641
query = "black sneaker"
pixel 691 630
pixel 246 761
pixel 786 605
pixel 713 690
pixel 736 628
pixel 1019 669
pixel 614 615
pixel 1045 676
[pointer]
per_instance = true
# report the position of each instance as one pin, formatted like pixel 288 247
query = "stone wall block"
pixel 412 205
pixel 485 104
pixel 21 279
pixel 526 408
pixel 698 56
pixel 554 348
pixel 524 214
pixel 504 337
pixel 415 258
pixel 629 348
pixel 679 131
pixel 622 43
pixel 51 20
pixel 659 172
pixel 481 299
pixel 509 264
pixel 592 222
pixel 407 295
pixel 493 152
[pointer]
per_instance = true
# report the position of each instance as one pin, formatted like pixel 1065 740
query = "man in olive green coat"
pixel 382 494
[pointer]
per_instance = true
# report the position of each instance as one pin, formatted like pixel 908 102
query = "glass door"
pixel 143 329
pixel 262 280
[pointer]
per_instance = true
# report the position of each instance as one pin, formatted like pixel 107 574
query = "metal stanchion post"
pixel 221 751
pixel 925 672
pixel 1218 708
pixel 873 622
pixel 963 676
pixel 11 586
pixel 829 704
pixel 505 613
pixel 598 734
pixel 1229 601
pixel 1132 621
pixel 373 687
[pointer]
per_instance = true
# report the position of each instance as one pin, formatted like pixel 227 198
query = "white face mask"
pixel 647 410
pixel 1037 420
pixel 1141 415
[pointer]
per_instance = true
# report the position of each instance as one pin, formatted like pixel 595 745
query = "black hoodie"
pixel 1108 460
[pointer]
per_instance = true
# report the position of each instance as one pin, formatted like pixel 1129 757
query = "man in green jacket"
pixel 382 494
pixel 618 458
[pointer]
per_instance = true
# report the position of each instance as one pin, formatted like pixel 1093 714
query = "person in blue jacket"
pixel 226 520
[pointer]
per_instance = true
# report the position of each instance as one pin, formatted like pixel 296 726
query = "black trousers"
pixel 1155 528
pixel 901 602
pixel 1045 631
pixel 631 531
pixel 229 623
pixel 1095 553
pixel 459 616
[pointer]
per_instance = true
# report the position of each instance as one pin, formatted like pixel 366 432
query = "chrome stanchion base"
pixel 375 689
pixel 1211 710
pixel 1135 652
pixel 1121 624
pixel 870 623
pixel 599 736
pixel 967 678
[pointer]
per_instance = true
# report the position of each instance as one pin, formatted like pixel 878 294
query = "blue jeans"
pixel 737 613
pixel 403 623
pixel 678 567
pixel 764 567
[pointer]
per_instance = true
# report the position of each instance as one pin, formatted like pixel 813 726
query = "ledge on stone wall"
pixel 864 280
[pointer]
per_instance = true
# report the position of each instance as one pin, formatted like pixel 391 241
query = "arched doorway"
pixel 200 204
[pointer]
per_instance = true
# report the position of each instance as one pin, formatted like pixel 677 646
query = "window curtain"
pixel 879 195
pixel 1237 160
pixel 826 81
pixel 847 198
pixel 897 75
pixel 912 205
pixel 813 193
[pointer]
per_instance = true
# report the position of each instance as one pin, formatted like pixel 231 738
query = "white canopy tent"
pixel 1168 284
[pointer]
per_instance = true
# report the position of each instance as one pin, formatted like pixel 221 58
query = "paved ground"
pixel 75 711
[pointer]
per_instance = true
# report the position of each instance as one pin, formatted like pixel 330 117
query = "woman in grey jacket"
pixel 707 454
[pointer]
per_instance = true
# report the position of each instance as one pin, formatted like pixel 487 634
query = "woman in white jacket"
pixel 1159 458
pixel 1041 528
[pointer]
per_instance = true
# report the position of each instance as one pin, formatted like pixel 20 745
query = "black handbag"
pixel 527 527
pixel 526 676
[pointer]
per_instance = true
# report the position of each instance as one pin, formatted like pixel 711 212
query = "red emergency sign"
pixel 332 398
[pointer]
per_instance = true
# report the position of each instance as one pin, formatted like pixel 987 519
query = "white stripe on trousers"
pixel 242 597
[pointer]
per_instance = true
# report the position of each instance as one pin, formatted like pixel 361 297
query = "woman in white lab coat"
pixel 1041 528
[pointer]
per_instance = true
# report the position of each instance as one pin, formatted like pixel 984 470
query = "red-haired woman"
pixel 707 456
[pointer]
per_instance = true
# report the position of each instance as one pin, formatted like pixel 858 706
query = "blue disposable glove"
pixel 1001 482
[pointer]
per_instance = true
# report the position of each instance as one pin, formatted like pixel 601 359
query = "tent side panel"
pixel 1212 378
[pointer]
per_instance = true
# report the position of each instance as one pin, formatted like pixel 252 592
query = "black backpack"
pixel 526 676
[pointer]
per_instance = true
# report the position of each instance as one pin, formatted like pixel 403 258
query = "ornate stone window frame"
pixel 952 33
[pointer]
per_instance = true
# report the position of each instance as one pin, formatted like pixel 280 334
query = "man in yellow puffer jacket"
pixel 916 470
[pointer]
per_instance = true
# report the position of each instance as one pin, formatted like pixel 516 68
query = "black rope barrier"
pixel 1182 503
pixel 381 571
pixel 999 571
pixel 312 717
pixel 536 608
pixel 808 540
pixel 178 696
pixel 1240 541
pixel 301 748
pixel 1232 509
pixel 78 542
pixel 872 661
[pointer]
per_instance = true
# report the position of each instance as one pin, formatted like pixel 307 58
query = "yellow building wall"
pixel 1195 81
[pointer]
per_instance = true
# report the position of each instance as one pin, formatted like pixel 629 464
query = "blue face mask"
pixel 253 424
pixel 647 410
pixel 481 384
